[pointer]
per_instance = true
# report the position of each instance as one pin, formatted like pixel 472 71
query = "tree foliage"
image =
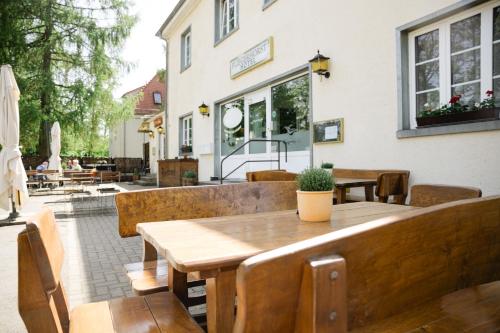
pixel 65 54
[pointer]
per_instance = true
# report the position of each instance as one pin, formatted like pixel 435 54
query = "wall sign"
pixel 256 56
pixel 329 131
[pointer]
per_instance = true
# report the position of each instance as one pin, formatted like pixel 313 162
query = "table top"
pixel 354 182
pixel 217 242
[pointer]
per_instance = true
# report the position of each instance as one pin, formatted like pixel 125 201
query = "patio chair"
pixel 270 175
pixel 392 184
pixel 425 195
pixel 429 270
pixel 44 307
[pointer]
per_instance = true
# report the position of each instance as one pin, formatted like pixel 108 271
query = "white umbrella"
pixel 55 148
pixel 12 175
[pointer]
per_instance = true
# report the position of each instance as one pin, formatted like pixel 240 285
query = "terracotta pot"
pixel 315 206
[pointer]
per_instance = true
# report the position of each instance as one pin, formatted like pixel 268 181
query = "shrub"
pixel 314 179
pixel 327 165
pixel 189 174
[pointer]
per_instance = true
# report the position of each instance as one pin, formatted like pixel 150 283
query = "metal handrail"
pixel 252 161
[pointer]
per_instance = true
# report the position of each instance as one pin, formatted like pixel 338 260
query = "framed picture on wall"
pixel 329 131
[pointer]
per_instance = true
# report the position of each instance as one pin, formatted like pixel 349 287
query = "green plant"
pixel 315 180
pixel 327 165
pixel 189 174
pixel 136 172
pixel 455 106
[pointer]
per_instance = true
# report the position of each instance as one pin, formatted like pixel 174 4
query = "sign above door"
pixel 256 56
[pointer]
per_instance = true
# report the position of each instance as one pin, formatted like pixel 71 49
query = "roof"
pixel 170 17
pixel 145 105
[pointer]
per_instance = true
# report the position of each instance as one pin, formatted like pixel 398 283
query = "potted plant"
pixel 315 195
pixel 456 112
pixel 189 178
pixel 186 150
pixel 327 166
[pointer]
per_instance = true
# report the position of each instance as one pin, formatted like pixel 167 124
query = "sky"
pixel 143 49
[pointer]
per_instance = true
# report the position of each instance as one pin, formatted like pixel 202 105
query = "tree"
pixel 65 54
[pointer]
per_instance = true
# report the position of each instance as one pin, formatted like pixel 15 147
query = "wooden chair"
pixel 429 195
pixel 434 269
pixel 270 175
pixel 44 307
pixel 179 203
pixel 110 176
pixel 392 184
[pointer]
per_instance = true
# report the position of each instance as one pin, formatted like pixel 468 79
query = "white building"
pixel 248 61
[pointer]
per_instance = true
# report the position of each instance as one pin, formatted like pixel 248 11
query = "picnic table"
pixel 215 247
pixel 342 184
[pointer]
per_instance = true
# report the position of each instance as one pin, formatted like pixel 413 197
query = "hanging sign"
pixel 256 56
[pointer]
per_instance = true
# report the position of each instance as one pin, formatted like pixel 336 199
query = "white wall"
pixel 359 36
pixel 125 141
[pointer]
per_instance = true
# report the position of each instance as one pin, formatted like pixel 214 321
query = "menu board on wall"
pixel 329 131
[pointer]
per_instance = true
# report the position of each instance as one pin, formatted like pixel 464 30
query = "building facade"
pixel 389 61
pixel 125 139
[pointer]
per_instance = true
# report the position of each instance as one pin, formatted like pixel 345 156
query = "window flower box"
pixel 460 117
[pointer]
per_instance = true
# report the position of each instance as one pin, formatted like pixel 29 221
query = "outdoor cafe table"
pixel 342 184
pixel 216 246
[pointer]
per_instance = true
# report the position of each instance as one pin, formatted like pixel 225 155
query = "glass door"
pixel 256 111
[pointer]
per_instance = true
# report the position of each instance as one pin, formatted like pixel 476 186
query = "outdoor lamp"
pixel 319 65
pixel 144 128
pixel 161 130
pixel 203 108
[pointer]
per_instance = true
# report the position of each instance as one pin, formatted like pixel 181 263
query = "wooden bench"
pixel 368 174
pixel 425 195
pixel 43 305
pixel 436 269
pixel 110 176
pixel 178 203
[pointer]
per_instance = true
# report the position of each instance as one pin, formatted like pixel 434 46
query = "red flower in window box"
pixel 455 99
pixel 489 93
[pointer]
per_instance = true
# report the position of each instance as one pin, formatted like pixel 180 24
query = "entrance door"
pixel 145 154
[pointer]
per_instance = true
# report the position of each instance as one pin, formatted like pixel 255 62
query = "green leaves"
pixel 314 179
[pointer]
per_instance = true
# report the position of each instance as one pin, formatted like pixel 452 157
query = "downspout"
pixel 167 95
pixel 124 138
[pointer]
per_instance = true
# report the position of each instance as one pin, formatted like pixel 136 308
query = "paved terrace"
pixel 94 253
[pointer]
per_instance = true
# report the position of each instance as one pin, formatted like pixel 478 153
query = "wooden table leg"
pixel 221 291
pixel 341 195
pixel 369 193
pixel 149 252
pixel 177 283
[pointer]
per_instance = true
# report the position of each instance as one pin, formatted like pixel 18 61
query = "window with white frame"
pixel 186 49
pixel 456 56
pixel 227 17
pixel 187 131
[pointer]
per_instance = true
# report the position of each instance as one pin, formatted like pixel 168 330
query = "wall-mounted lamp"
pixel 151 135
pixel 160 130
pixel 144 128
pixel 319 65
pixel 203 108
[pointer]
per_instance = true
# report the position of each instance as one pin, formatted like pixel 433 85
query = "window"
pixel 186 49
pixel 290 113
pixel 232 127
pixel 226 18
pixel 187 131
pixel 157 97
pixel 456 56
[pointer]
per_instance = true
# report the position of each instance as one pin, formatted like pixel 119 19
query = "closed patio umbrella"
pixel 55 148
pixel 12 175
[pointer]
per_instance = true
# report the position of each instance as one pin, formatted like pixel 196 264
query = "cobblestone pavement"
pixel 94 258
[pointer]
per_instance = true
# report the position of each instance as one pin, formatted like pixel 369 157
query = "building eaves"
pixel 170 17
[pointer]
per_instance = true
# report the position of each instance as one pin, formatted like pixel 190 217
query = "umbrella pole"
pixel 14 214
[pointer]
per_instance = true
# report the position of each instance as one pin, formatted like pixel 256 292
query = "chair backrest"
pixel 42 301
pixel 356 276
pixel 425 195
pixel 178 203
pixel 363 173
pixel 270 175
pixel 392 184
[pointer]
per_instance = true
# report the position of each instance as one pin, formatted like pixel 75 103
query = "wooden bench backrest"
pixel 429 195
pixel 383 268
pixel 42 302
pixel 271 175
pixel 363 173
pixel 179 203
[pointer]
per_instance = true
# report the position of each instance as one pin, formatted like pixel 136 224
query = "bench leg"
pixel 177 283
pixel 149 252
pixel 369 193
pixel 341 195
pixel 221 291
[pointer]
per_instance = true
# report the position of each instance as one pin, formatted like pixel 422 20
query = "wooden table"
pixel 342 184
pixel 216 246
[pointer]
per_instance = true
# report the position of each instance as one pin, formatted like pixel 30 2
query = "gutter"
pixel 170 18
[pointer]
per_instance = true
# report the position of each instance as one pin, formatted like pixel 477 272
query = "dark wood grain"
pixel 425 195
pixel 270 175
